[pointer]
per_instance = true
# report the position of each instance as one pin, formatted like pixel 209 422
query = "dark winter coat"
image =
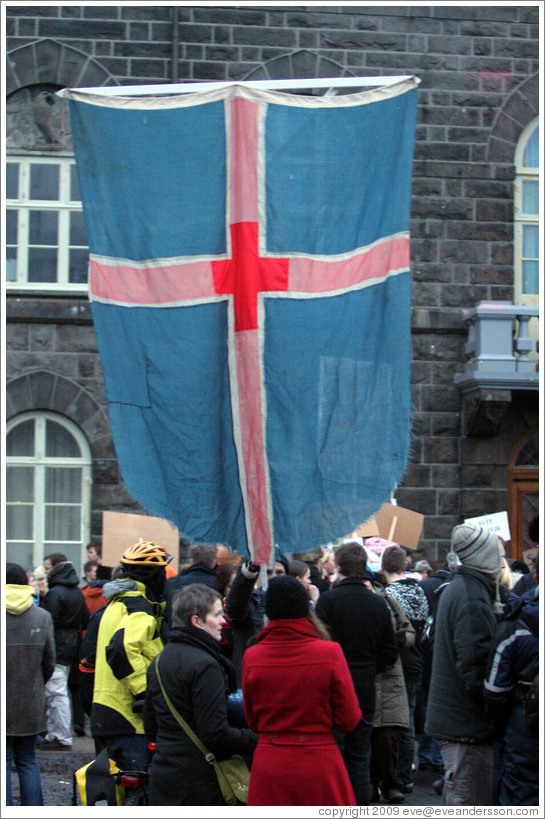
pixel 87 660
pixel 297 689
pixel 361 622
pixel 465 627
pixel 321 583
pixel 29 660
pixel 514 663
pixel 432 587
pixel 66 604
pixel 525 584
pixel 197 680
pixel 199 573
pixel 245 611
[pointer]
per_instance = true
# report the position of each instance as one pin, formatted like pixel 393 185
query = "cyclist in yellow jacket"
pixel 128 640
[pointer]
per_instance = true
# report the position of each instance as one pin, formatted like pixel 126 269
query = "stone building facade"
pixel 474 446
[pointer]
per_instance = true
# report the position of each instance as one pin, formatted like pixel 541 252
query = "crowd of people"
pixel 335 681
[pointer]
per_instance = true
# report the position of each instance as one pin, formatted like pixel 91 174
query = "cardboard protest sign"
pixel 121 529
pixel 394 523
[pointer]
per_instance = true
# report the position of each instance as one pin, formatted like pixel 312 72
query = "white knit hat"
pixel 477 548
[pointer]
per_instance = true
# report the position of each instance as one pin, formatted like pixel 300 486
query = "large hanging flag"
pixel 250 287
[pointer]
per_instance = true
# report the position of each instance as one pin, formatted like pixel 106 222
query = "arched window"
pixel 48 489
pixel 527 216
pixel 523 490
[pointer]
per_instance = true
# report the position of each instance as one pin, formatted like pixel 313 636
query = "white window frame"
pixel 39 461
pixel 64 205
pixel 523 174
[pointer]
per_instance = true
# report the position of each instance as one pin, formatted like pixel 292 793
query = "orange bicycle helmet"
pixel 146 553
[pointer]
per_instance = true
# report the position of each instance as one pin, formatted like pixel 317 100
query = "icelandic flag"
pixel 250 286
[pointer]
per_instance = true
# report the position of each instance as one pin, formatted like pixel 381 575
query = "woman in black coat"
pixel 197 679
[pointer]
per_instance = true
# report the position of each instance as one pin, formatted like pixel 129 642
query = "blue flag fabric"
pixel 250 286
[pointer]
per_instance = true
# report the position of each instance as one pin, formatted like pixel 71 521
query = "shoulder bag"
pixel 233 773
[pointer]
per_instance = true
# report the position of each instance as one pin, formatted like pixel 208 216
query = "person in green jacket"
pixel 128 640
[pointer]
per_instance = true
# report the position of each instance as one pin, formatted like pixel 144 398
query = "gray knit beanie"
pixel 477 548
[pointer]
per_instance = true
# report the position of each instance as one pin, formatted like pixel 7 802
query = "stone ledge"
pixel 46 310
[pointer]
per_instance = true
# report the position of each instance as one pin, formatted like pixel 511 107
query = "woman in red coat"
pixel 297 689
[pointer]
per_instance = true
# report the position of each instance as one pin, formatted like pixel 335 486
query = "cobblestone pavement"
pixel 57 769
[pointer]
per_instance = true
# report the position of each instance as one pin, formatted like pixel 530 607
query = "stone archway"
pixel 519 109
pixel 45 390
pixel 301 64
pixel 36 119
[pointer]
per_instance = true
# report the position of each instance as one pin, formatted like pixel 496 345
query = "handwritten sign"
pixel 497 523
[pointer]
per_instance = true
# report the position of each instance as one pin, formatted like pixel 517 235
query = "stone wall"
pixel 479 89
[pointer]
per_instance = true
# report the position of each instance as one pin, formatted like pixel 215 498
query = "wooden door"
pixel 523 491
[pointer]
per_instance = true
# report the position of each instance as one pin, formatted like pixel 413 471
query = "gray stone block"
pixel 41 337
pixel 106 471
pixel 87 29
pixel 41 387
pixel 19 395
pixel 440 526
pixel 441 450
pixel 445 475
pixel 419 500
pixel 17 337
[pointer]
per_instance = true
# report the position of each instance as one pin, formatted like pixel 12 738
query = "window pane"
pixel 43 227
pixel 531 152
pixel 75 195
pixel 20 484
pixel 44 181
pixel 19 522
pixel 530 277
pixel 20 440
pixel 530 197
pixel 78 235
pixel 71 550
pixel 20 553
pixel 62 485
pixel 530 242
pixel 79 264
pixel 12 180
pixel 59 443
pixel 42 264
pixel 11 264
pixel 528 455
pixel 63 523
pixel 11 227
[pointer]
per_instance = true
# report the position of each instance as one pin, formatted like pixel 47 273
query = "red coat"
pixel 297 688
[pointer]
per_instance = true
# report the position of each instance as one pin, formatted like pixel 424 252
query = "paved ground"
pixel 57 769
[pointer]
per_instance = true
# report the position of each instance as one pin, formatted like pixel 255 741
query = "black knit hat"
pixel 286 599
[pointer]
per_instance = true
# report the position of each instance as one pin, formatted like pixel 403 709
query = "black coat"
pixel 245 610
pixel 432 587
pixel 199 573
pixel 321 583
pixel 361 622
pixel 66 604
pixel 197 680
pixel 465 626
pixel 513 663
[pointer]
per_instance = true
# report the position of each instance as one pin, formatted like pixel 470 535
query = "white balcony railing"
pixel 501 352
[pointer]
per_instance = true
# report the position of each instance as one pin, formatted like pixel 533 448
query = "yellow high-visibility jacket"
pixel 128 640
